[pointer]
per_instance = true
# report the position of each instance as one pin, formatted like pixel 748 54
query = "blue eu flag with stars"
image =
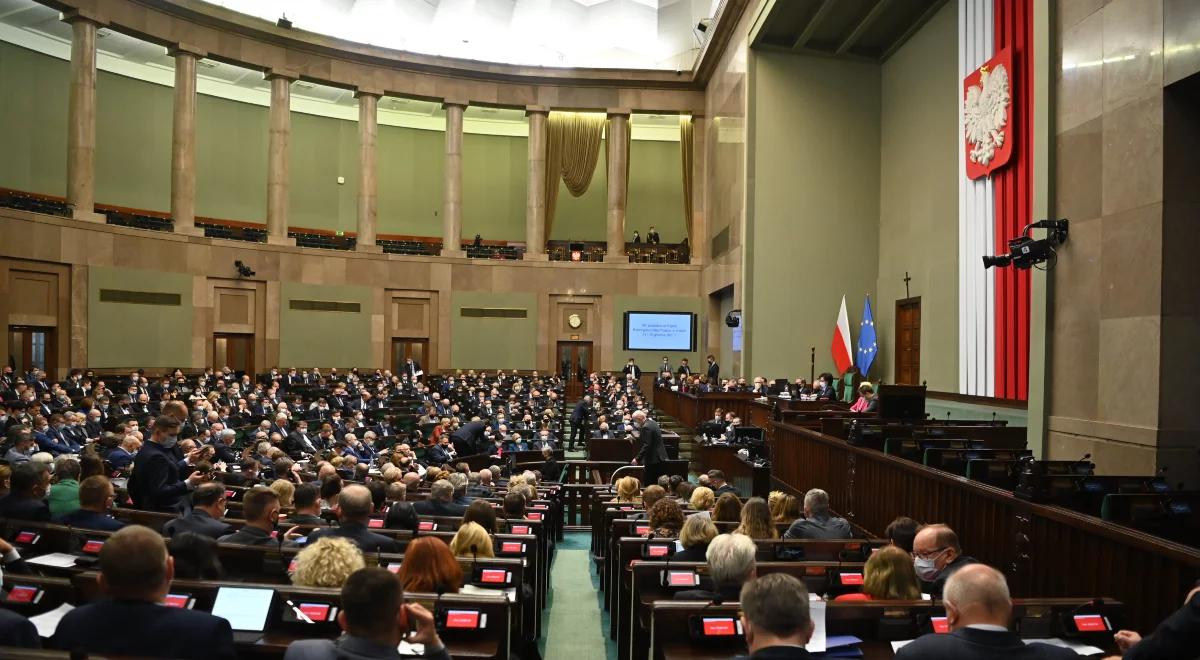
pixel 867 347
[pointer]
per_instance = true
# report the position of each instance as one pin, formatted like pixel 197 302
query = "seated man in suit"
pixel 979 611
pixel 374 620
pixel 21 445
pixel 306 504
pixel 208 507
pixel 937 555
pixel 261 508
pixel 730 564
pixel 719 486
pixel 354 507
pixel 1175 637
pixel 440 502
pixel 775 617
pixel 122 456
pixel 16 630
pixel 29 483
pixel 817 522
pixel 136 572
pixel 96 496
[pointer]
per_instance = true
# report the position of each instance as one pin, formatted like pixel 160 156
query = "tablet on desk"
pixel 245 609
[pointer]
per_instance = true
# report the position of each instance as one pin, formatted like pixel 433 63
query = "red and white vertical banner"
pixel 995 193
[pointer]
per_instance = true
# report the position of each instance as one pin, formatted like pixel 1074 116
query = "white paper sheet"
pixel 47 622
pixel 55 559
pixel 816 644
pixel 1081 649
pixel 410 649
pixel 896 646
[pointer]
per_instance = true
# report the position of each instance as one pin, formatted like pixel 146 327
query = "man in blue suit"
pixel 51 439
pixel 95 498
pixel 136 572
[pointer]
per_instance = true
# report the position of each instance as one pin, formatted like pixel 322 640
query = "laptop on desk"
pixel 246 609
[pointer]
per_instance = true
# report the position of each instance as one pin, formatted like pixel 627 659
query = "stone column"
pixel 81 117
pixel 183 140
pixel 278 155
pixel 698 242
pixel 368 184
pixel 618 186
pixel 452 190
pixel 535 195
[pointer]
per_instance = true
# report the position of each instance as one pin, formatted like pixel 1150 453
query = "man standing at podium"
pixel 653 453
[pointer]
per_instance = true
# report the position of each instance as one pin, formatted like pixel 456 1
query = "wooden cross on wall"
pixel 907 279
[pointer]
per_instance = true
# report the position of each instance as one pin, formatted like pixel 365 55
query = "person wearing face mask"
pixel 156 484
pixel 936 556
pixel 261 508
pixel 21 445
pixel 29 483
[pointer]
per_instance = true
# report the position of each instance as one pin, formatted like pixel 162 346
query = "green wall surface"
pixel 409 169
pixel 231 159
pixel 918 205
pixel 651 359
pixel 812 232
pixel 655 190
pixel 583 218
pixel 325 339
pixel 133 143
pixel 494 174
pixel 127 335
pixel 493 343
pixel 33 121
pixel 322 150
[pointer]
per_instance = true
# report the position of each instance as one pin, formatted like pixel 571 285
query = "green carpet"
pixel 574 623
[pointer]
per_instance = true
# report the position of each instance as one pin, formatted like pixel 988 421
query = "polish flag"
pixel 841 341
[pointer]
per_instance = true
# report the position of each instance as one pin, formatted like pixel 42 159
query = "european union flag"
pixel 867 347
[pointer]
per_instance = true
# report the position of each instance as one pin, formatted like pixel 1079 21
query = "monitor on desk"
pixel 245 609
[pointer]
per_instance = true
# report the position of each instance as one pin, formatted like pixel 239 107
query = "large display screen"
pixel 660 331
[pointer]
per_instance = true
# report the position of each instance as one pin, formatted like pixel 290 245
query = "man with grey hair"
pixel 730 564
pixel 440 502
pixel 818 522
pixel 479 484
pixel 979 612
pixel 775 617
pixel 354 512
pixel 460 482
pixel 652 454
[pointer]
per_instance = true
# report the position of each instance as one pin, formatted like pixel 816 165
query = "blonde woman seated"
pixel 472 540
pixel 788 511
pixel 774 501
pixel 888 575
pixel 629 491
pixel 285 490
pixel 756 520
pixel 697 533
pixel 327 563
pixel 702 501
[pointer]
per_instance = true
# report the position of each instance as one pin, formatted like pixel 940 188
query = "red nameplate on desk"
pixel 26 538
pixel 681 579
pixel 426 526
pixel 462 619
pixel 641 530
pixel 375 523
pixel 720 627
pixel 628 508
pixel 941 625
pixel 22 594
pixel 318 612
pixel 393 567
pixel 520 529
pixel 851 578
pixel 176 600
pixel 92 546
pixel 292 566
pixel 229 494
pixel 512 546
pixel 1090 623
pixel 494 576
pixel 657 551
pixel 534 515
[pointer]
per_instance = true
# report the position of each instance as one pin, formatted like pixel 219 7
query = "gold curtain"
pixel 572 149
pixel 685 152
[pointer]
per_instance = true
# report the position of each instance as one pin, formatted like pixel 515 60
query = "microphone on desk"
pixel 1080 461
pixel 474 559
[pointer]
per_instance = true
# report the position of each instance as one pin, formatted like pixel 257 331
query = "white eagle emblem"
pixel 985 113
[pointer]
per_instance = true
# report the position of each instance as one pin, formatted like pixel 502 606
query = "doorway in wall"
pixel 574 364
pixel 908 341
pixel 31 347
pixel 235 351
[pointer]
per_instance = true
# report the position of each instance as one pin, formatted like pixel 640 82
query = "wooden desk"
pixel 1045 551
pixel 749 480
pixel 692 409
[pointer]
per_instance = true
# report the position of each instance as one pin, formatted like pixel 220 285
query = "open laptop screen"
pixel 244 608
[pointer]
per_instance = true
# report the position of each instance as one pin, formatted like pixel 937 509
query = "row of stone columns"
pixel 81 148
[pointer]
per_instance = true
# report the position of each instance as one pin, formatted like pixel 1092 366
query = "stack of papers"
pixel 54 559
pixel 47 622
pixel 841 646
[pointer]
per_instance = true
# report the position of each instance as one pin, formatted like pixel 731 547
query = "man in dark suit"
pixel 261 508
pixel 96 496
pixel 652 455
pixel 26 500
pixel 978 611
pixel 775 618
pixel 16 630
pixel 208 507
pixel 631 369
pixel 730 564
pixel 306 504
pixel 468 438
pixel 353 511
pixel 716 481
pixel 579 420
pixel 156 484
pixel 714 370
pixel 818 522
pixel 440 502
pixel 1175 637
pixel 937 555
pixel 411 367
pixel 136 572
pixel 652 236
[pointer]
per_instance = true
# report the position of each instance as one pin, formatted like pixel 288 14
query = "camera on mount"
pixel 1025 252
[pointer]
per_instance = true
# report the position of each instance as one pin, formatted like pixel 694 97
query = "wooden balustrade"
pixel 1046 551
pixel 692 409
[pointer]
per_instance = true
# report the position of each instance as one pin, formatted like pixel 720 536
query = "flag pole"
pixel 812 365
